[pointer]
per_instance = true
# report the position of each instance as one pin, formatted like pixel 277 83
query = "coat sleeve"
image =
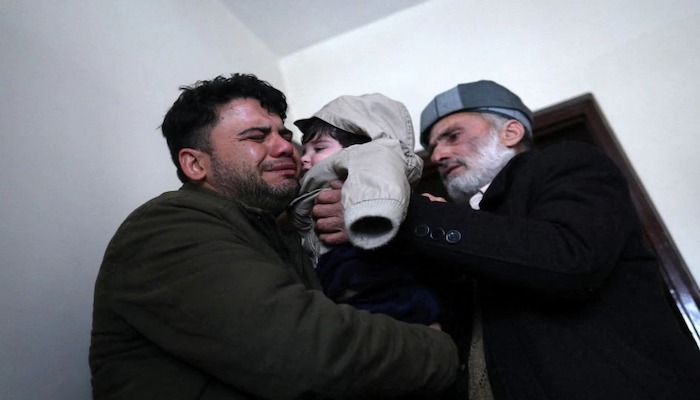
pixel 217 298
pixel 376 190
pixel 559 231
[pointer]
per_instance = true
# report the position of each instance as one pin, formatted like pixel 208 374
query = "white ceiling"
pixel 288 26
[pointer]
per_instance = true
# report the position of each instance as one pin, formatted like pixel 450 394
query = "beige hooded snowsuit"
pixel 378 175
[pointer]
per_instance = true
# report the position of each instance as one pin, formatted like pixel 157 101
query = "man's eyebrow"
pixel 450 128
pixel 446 131
pixel 255 129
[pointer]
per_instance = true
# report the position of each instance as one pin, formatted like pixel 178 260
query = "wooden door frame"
pixel 583 114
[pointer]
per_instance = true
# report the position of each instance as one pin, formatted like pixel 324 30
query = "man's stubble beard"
pixel 245 184
pixel 481 169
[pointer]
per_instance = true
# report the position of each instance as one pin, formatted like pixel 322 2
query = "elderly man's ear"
pixel 512 133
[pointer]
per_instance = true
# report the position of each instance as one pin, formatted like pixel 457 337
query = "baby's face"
pixel 317 150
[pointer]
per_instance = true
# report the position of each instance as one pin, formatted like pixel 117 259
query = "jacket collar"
pixel 496 191
pixel 209 192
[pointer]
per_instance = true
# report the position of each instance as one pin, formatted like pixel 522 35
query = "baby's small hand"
pixel 434 198
pixel 436 326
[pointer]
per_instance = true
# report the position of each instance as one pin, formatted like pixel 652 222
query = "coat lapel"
pixel 494 196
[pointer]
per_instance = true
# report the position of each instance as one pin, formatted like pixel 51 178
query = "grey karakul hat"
pixel 480 96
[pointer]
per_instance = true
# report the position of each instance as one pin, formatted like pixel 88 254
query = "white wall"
pixel 640 59
pixel 85 85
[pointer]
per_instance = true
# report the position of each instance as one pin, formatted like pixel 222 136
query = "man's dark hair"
pixel 190 119
pixel 317 127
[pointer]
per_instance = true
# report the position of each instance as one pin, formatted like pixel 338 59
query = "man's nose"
pixel 439 154
pixel 280 146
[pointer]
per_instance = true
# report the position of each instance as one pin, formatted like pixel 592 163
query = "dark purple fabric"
pixel 380 284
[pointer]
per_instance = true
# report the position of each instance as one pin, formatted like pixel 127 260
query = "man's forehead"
pixel 456 121
pixel 247 110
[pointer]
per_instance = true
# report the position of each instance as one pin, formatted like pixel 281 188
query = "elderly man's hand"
pixel 434 198
pixel 328 213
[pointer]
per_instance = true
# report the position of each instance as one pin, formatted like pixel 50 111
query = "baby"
pixel 366 141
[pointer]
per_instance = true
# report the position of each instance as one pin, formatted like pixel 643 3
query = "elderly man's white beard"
pixel 480 169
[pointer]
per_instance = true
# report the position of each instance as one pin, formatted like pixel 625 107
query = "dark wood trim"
pixel 581 118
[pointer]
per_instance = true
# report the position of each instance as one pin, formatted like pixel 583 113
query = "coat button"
pixel 421 230
pixel 437 234
pixel 453 236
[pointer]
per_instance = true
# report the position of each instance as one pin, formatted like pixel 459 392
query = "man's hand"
pixel 328 213
pixel 434 198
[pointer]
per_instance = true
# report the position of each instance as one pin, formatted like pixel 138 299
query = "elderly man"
pixel 566 302
pixel 201 295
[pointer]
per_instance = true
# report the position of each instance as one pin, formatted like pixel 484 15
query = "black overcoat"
pixel 572 300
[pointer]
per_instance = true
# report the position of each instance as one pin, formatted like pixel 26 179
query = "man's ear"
pixel 194 164
pixel 512 133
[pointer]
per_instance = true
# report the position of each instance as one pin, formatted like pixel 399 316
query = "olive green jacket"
pixel 201 297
